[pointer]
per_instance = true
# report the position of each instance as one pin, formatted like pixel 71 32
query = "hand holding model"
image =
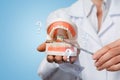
pixel 59 31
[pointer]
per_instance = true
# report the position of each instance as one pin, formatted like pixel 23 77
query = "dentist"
pixel 98 23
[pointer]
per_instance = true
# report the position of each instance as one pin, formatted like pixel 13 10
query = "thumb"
pixel 42 47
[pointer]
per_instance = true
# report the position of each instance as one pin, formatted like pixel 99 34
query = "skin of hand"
pixel 108 57
pixel 56 58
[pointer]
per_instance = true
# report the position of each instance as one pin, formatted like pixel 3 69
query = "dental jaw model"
pixel 58 31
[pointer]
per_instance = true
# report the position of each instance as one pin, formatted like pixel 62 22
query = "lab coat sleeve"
pixel 54 71
pixel 64 71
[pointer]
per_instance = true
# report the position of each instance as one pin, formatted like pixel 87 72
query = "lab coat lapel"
pixel 87 27
pixel 108 23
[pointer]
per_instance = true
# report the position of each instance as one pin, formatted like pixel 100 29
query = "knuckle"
pixel 118 41
pixel 64 58
pixel 50 58
pixel 107 47
pixel 110 69
pixel 115 59
pixel 111 52
pixel 58 59
pixel 115 68
pixel 101 60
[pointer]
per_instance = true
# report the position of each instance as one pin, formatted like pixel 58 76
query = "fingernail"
pixel 100 68
pixel 94 57
pixel 97 64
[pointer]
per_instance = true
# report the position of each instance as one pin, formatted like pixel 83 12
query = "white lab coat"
pixel 88 39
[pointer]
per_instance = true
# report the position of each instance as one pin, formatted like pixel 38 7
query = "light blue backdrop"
pixel 19 36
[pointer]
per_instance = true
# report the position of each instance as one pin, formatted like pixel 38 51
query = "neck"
pixel 97 3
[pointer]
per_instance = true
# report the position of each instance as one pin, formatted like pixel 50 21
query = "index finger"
pixel 102 51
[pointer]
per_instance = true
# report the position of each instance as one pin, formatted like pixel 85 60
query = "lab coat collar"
pixel 79 10
pixel 109 22
pixel 88 6
pixel 115 7
pixel 76 10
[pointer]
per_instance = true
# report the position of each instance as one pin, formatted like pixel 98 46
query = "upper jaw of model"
pixel 59 47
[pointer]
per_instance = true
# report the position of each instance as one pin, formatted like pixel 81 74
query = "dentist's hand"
pixel 108 57
pixel 53 58
pixel 57 59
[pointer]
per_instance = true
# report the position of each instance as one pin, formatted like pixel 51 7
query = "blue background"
pixel 19 37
